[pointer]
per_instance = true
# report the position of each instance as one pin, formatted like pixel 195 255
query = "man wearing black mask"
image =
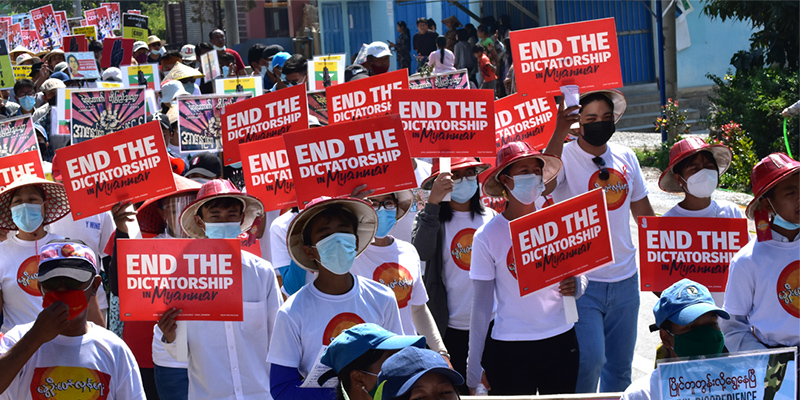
pixel 608 311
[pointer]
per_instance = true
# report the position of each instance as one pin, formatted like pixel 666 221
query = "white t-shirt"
pixel 457 250
pixel 402 229
pixel 763 286
pixel 717 209
pixel 310 320
pixel 537 316
pixel 97 365
pixel 19 268
pixel 625 185
pixel 265 241
pixel 434 59
pixel 396 266
pixel 644 388
pixel 277 238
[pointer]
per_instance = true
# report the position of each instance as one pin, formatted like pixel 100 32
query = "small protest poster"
pixel 201 277
pixel 200 120
pixel 7 76
pixel 116 52
pixel 63 22
pixel 700 249
pixel 755 375
pixel 318 106
pixel 30 39
pixel 17 136
pixel 141 75
pixel 82 66
pixel 325 71
pixel 135 26
pixel 22 71
pixel 74 43
pixel 44 21
pixel 14 166
pixel 450 80
pixel 564 240
pixel 63 110
pixel 525 119
pixel 250 84
pixel 267 174
pixel 99 18
pixel 129 165
pixel 14 37
pixel 113 14
pixel 447 123
pixel 137 12
pixel 333 160
pixel 210 64
pixel 90 32
pixel 4 29
pixel 99 112
pixel 579 53
pixel 262 117
pixel 364 98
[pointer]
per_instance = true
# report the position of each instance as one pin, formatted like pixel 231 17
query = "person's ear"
pixel 506 181
pixel 96 282
pixel 310 253
pixel 766 205
pixel 679 178
pixel 358 380
pixel 199 221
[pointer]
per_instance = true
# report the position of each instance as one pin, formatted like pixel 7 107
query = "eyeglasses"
pixel 471 178
pixel 386 204
pixel 604 175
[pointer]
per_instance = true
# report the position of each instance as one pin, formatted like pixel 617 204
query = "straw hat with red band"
pixel 687 148
pixel 56 204
pixel 769 172
pixel 513 152
pixel 150 221
pixel 367 225
pixel 455 163
pixel 214 189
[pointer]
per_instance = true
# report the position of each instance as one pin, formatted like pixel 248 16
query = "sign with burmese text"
pixel 700 249
pixel 447 122
pixel 16 165
pixel 17 136
pixel 262 117
pixel 130 165
pixel 564 240
pixel 98 112
pixel 202 277
pixel 200 120
pixel 364 98
pixel 524 119
pixel 333 160
pixel 580 53
pixel 267 174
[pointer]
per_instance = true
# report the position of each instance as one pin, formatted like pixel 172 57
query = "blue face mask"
pixel 27 217
pixel 464 190
pixel 779 221
pixel 189 87
pixel 527 188
pixel 27 102
pixel 223 230
pixel 225 71
pixel 337 252
pixel 386 220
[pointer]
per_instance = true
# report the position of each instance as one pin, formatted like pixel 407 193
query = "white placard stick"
pixel 444 166
pixel 570 309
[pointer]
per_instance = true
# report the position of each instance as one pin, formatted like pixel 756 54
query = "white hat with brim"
pixel 21 49
pixel 56 204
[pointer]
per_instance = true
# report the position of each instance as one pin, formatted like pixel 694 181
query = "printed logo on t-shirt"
pixel 28 276
pixel 616 187
pixel 511 263
pixel 789 288
pixel 498 204
pixel 338 324
pixel 461 248
pixel 73 383
pixel 395 277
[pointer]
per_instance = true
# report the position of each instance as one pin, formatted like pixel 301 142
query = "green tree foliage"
pixel 156 17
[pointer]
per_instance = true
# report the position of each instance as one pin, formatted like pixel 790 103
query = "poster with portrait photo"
pixel 82 65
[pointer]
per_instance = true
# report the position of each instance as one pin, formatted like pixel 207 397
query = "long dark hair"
pixel 359 364
pixel 441 41
pixel 475 208
pixel 404 28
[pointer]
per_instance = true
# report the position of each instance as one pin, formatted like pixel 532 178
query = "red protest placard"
pixel 700 249
pixel 567 239
pixel 14 166
pixel 524 119
pixel 447 122
pixel 267 174
pixel 364 98
pixel 74 43
pixel 581 53
pixel 269 115
pixel 333 160
pixel 129 165
pixel 202 277
pixel 116 52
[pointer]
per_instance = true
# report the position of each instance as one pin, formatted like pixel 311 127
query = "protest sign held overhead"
pixel 44 21
pixel 525 119
pixel 137 75
pixel 263 117
pixel 31 40
pixel 74 43
pixel 580 53
pixel 449 80
pixel 325 71
pixel 98 112
pixel 99 17
pixel 567 239
pixel 135 26
pixel 210 65
pixel 116 52
pixel 250 84
pixel 333 160
pixel 200 120
pixel 7 78
pixel 90 32
pixel 82 66
pixel 364 98
pixel 14 37
pixel 447 123
pixel 16 165
pixel 63 23
pixel 22 72
pixel 17 136
pixel 129 165
pixel 700 249
pixel 267 174
pixel 202 277
pixel 318 106
pixel 113 14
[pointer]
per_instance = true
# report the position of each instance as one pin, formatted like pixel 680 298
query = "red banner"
pixel 447 122
pixel 566 239
pixel 267 175
pixel 74 43
pixel 129 165
pixel 700 249
pixel 117 52
pixel 581 53
pixel 14 166
pixel 269 115
pixel 334 160
pixel 364 98
pixel 525 119
pixel 202 277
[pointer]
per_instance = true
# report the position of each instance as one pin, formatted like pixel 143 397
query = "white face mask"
pixel 217 48
pixel 702 183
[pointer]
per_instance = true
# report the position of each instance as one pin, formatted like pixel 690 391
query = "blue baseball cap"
pixel 278 59
pixel 684 302
pixel 400 371
pixel 354 342
pixel 60 76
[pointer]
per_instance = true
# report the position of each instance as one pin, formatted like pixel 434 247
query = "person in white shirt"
pixel 442 60
pixel 609 310
pixel 533 328
pixel 227 360
pixel 326 237
pixel 48 357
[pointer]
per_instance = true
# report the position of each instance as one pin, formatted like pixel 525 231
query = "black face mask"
pixel 598 133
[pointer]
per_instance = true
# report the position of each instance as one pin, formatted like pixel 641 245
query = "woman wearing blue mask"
pixel 443 238
pixel 533 328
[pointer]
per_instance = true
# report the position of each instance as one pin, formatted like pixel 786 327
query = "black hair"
pixel 255 52
pixel 95 46
pixel 431 24
pixel 226 59
pixel 223 202
pixel 404 27
pixel 203 48
pixel 483 28
pixel 295 63
pixel 359 364
pixel 441 41
pixel 422 20
pixel 473 33
pixel 597 97
pixel 475 208
pixel 462 35
pixel 172 54
pixel 211 34
pixel 681 165
pixel 73 57
pixel 478 48
pixel 38 188
pixel 334 211
pixel 23 83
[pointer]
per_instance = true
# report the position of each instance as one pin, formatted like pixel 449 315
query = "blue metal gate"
pixel 449 9
pixel 409 12
pixel 519 19
pixel 332 30
pixel 359 25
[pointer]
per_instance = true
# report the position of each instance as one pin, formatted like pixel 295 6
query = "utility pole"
pixel 76 9
pixel 670 55
pixel 231 23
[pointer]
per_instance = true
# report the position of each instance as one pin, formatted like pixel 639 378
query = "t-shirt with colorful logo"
pixel 97 366
pixel 625 184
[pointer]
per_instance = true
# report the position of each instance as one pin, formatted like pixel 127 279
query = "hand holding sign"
pixel 524 119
